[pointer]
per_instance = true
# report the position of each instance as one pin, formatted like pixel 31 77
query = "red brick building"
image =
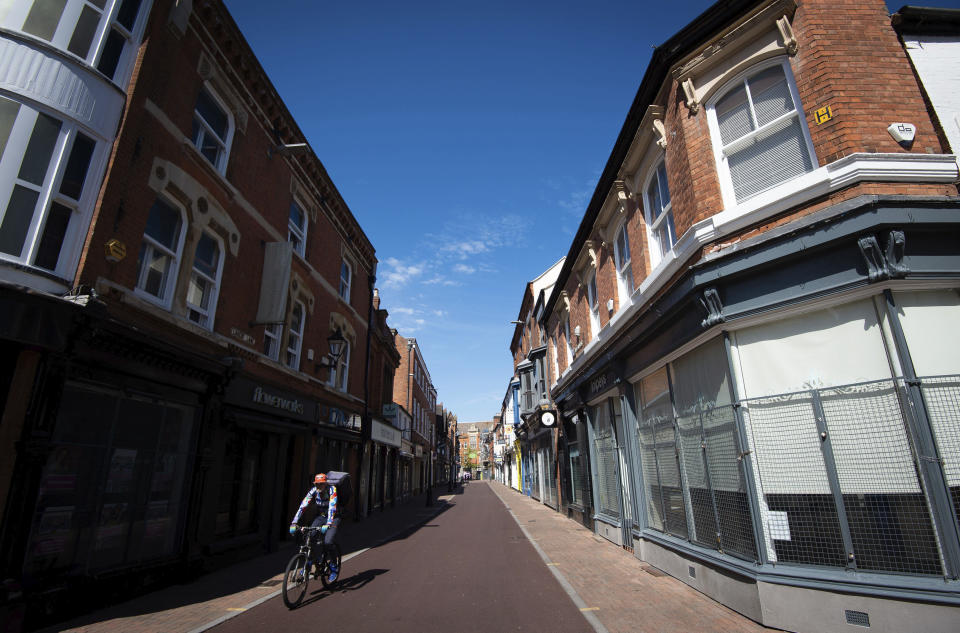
pixel 177 403
pixel 415 393
pixel 753 332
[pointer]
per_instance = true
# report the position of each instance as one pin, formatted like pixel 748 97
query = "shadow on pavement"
pixel 378 529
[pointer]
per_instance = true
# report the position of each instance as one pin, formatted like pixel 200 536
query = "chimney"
pixel 376 299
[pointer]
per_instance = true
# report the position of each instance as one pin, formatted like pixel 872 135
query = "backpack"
pixel 344 488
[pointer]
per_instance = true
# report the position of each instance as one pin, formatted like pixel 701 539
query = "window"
pixel 297 228
pixel 204 282
pixel 121 33
pixel 566 335
pixel 759 136
pixel 88 29
pixel 271 340
pixel 593 303
pixel 659 214
pixel 621 255
pixel 339 375
pixel 160 252
pixel 295 336
pixel 39 224
pixel 212 129
pixel 346 275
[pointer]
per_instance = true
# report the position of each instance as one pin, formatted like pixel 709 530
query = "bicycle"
pixel 297 575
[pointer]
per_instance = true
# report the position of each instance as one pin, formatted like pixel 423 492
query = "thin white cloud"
pixel 397 273
pixel 463 268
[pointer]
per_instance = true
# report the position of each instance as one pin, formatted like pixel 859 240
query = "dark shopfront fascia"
pixel 262 457
pixel 100 427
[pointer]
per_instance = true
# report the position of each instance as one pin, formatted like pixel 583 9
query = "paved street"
pixel 458 573
pixel 456 566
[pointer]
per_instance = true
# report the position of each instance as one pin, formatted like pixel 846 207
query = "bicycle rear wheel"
pixel 295 581
pixel 331 556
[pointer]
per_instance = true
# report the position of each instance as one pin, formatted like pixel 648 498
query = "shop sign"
pixel 602 382
pixel 380 432
pixel 246 393
pixel 390 410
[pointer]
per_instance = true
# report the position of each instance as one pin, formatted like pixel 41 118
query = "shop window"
pixel 111 493
pixel 605 451
pixel 159 257
pixel 297 228
pixel 659 214
pixel 834 414
pixel 212 129
pixel 204 282
pixel 759 134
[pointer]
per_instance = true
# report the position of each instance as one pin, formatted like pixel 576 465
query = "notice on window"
pixel 778 525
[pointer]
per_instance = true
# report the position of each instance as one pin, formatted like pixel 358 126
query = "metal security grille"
pixel 549 474
pixel 579 476
pixel 941 394
pixel 838 481
pixel 605 445
pixel 713 491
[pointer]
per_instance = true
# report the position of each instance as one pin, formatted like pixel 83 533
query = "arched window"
pixel 621 255
pixel 760 138
pixel 298 317
pixel 205 281
pixel 659 213
pixel 159 259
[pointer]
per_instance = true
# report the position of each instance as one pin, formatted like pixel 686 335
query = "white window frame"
pixel 556 362
pixel 166 300
pixel 295 337
pixel 274 333
pixel 625 281
pixel 569 344
pixel 345 284
pixel 209 313
pixel 297 234
pixel 657 251
pixel 48 191
pixel 723 170
pixel 223 157
pixel 16 13
pixel 593 303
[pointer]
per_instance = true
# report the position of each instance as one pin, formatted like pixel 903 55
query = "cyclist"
pixel 323 496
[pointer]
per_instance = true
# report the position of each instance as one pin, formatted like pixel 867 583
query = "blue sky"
pixel 467 140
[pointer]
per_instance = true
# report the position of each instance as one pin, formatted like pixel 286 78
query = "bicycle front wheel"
pixel 295 581
pixel 330 570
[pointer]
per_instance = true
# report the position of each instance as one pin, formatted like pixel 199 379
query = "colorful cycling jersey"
pixel 316 496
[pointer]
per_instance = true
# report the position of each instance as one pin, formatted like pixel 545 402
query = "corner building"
pixel 755 325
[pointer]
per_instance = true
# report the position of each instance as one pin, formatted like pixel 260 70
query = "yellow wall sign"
pixel 115 250
pixel 824 114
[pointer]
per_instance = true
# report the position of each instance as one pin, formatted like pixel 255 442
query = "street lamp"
pixel 336 343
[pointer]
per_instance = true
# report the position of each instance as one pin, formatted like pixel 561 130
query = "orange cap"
pixel 320 479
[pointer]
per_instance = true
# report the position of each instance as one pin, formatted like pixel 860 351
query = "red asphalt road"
pixel 470 569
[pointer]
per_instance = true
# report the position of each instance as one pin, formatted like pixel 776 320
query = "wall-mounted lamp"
pixel 576 332
pixel 336 342
pixel 517 322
